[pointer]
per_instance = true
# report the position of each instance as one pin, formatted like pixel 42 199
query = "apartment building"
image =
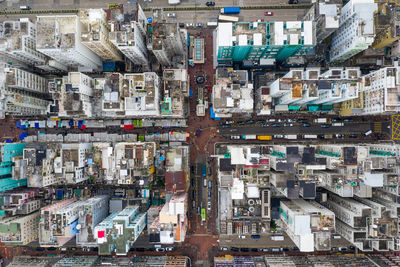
pixel 18 42
pixel 74 96
pixel 10 167
pixel 175 93
pixel 356 30
pixel 308 224
pixel 244 190
pixel 255 41
pixel 91 212
pixel 95 34
pixel 133 163
pixel 41 162
pixel 74 162
pixel 19 230
pixel 172 223
pixel 325 16
pixel 165 41
pixel 58 222
pixel 119 231
pixel 20 202
pixel 59 37
pixel 128 32
pixel 232 93
pixel 177 169
pixel 22 93
pixel 311 86
pixel 380 90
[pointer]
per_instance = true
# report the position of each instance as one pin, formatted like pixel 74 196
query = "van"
pixel 25 8
pixel 205 182
pixel 277 238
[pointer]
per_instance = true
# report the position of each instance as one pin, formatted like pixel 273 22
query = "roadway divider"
pixel 11 12
pixel 245 7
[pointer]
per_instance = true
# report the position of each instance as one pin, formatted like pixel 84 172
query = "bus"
pixel 264 137
pixel 228 18
pixel 203 215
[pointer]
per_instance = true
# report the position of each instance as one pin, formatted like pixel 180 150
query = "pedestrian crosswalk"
pixel 377 127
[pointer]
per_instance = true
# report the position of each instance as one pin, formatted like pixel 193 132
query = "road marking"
pixel 378 127
pixel 395 127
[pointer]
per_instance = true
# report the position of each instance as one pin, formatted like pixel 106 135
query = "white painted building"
pixel 356 30
pixel 75 98
pixel 95 34
pixel 59 37
pixel 143 95
pixel 381 91
pixel 18 42
pixel 22 93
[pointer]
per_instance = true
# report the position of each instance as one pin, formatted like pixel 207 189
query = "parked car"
pixel 181 25
pixel 306 125
pixel 292 2
pixel 271 120
pixel 39 249
pixel 199 25
pixel 348 120
pixel 210 3
pixel 250 122
pixel 325 126
pixel 336 120
pixel 255 236
pixel 287 124
pixel 209 194
pixel 268 13
pixel 259 121
pixel 234 249
pixel 353 136
pixel 240 123
pixel 302 120
pixel 223 248
pixel 264 249
pixel 169 248
pixel 225 126
pixel 242 236
pixel 291 120
pixel 171 15
pixel 339 135
pixel 235 137
pixel 244 249
pixel 230 122
pixel 281 120
pixel 277 136
pixel 276 125
pixel 264 125
pixel 160 249
pixel 208 205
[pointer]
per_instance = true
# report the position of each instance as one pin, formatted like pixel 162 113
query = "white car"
pixel 235 137
pixel 278 136
pixel 242 237
pixel 209 205
pixel 160 249
pixel 169 248
pixel 223 248
pixel 171 15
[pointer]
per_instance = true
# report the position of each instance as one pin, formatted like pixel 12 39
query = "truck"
pixel 228 18
pixel 174 2
pixel 291 136
pixel 321 120
pixel 264 137
pixel 230 10
pixel 338 124
pixel 310 136
pixel 249 137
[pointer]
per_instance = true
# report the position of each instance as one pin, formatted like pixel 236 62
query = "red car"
pixel 269 13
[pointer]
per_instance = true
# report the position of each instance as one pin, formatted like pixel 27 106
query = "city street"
pixel 71 4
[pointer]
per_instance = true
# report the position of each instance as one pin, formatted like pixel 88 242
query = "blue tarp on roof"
pixel 9 141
